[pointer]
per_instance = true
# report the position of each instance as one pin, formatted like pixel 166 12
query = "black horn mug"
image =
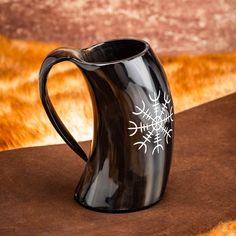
pixel 130 158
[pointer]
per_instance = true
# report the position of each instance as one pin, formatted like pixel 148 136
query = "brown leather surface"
pixel 37 184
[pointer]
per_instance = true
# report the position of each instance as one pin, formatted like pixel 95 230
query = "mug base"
pixel 108 210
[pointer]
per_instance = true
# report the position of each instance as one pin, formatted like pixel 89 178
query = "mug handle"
pixel 56 56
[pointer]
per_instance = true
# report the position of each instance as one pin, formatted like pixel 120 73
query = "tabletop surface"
pixel 37 184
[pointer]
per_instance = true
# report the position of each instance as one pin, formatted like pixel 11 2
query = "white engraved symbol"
pixel 153 126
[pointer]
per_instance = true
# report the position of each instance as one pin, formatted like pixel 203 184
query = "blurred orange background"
pixel 195 41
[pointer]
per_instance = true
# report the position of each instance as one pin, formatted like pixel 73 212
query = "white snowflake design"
pixel 152 127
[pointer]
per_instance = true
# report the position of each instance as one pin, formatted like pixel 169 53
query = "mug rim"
pixel 146 48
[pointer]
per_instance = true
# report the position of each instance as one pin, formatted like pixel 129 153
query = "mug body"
pixel 133 127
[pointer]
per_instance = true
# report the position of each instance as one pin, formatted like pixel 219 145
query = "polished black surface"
pixel 130 159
